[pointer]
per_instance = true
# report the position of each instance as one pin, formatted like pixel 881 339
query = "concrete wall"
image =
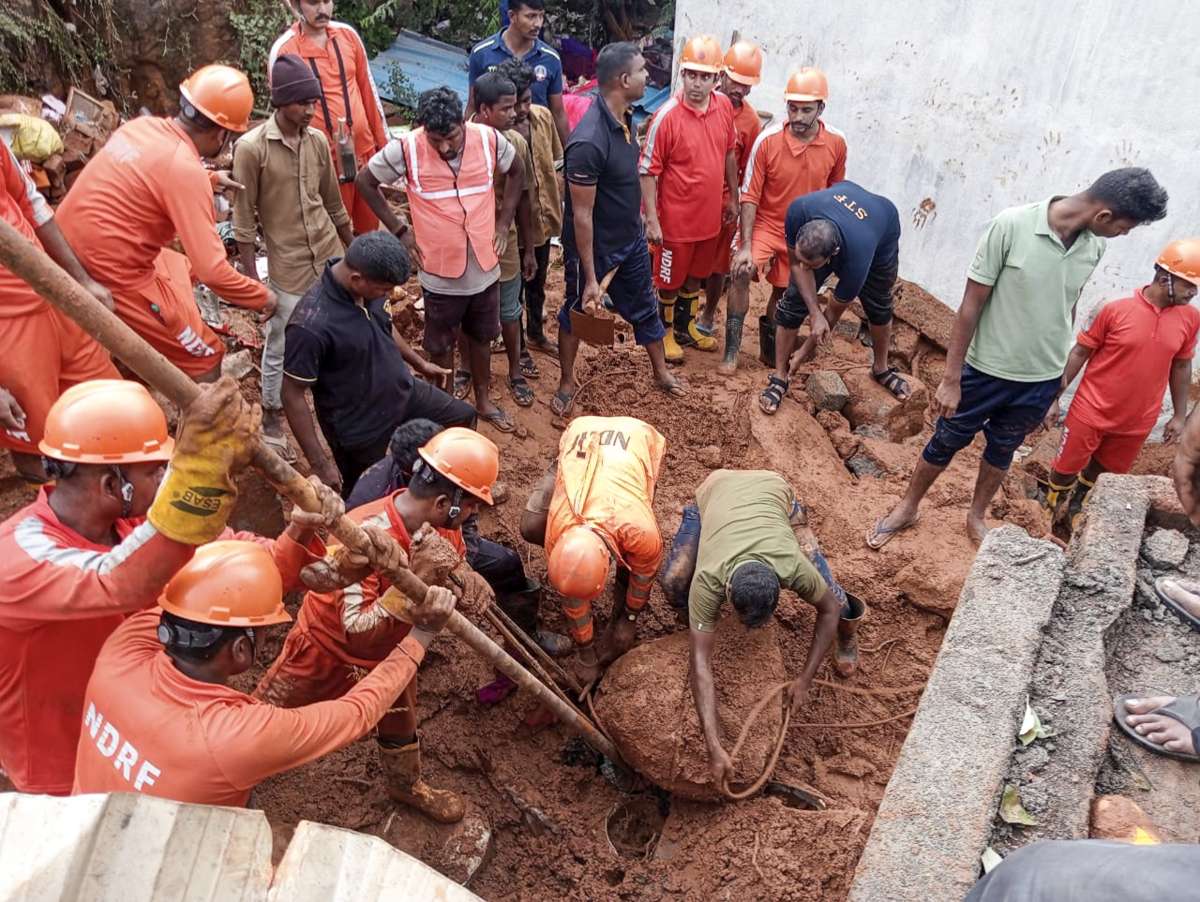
pixel 964 108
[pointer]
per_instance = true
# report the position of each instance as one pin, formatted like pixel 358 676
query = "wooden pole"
pixel 53 283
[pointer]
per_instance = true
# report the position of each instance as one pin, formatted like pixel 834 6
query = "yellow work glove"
pixel 437 563
pixel 430 614
pixel 342 567
pixel 216 440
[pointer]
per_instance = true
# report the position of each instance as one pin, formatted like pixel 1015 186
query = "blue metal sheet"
pixel 427 62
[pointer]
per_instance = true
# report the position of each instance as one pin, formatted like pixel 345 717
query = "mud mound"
pixel 645 702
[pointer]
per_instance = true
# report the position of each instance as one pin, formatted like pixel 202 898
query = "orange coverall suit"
pixel 340 637
pixel 150 728
pixel 606 473
pixel 42 351
pixel 61 597
pixel 145 187
pixel 343 53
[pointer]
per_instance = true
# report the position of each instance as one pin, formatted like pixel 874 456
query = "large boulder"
pixel 873 405
pixel 645 703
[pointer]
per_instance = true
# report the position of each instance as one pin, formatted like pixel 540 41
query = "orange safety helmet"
pixel 229 583
pixel 743 63
pixel 106 421
pixel 469 460
pixel 701 54
pixel 808 83
pixel 221 93
pixel 578 565
pixel 1182 258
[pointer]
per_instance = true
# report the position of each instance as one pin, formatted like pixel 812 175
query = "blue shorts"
pixel 631 291
pixel 1005 410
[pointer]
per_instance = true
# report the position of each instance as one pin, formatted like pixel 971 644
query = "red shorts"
pixel 306 673
pixel 1081 443
pixel 769 252
pixel 674 262
pixel 42 354
pixel 726 241
pixel 164 312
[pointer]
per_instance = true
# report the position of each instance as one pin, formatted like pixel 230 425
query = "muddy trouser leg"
pixel 822 566
pixel 516 594
pixel 398 727
pixel 535 293
pixel 675 577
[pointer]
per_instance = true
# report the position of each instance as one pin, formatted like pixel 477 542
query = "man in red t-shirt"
pixel 743 70
pixel 1133 350
pixel 788 159
pixel 690 147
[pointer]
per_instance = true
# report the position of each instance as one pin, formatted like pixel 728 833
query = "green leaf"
pixel 1011 809
pixel 989 859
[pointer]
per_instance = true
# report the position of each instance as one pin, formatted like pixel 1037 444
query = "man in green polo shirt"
pixel 1015 329
pixel 744 539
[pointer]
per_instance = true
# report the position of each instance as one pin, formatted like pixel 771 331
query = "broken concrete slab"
pixel 873 405
pixel 827 390
pixel 923 312
pixel 936 816
pixel 1165 548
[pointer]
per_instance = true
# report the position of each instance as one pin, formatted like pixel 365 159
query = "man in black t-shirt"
pixel 602 223
pixel 339 345
pixel 848 232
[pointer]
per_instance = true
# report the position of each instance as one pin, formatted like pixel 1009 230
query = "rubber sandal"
pixel 708 331
pixel 462 384
pixel 543 344
pixel 499 420
pixel 521 393
pixel 1177 609
pixel 677 389
pixel 772 395
pixel 893 382
pixel 498 344
pixel 528 366
pixel 1185 709
pixel 562 402
pixel 879 535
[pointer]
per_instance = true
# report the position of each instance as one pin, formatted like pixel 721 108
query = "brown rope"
pixel 860 726
pixel 758 784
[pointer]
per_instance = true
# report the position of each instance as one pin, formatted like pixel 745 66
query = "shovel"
pixel 596 330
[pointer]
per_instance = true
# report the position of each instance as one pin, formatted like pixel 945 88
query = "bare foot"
pixel 727 367
pixel 1158 728
pixel 1184 592
pixel 977 528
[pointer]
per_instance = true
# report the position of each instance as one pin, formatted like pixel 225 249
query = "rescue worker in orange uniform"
pixel 787 160
pixel 690 146
pixel 594 506
pixel 160 717
pixel 341 634
pixel 149 185
pixel 42 352
pixel 743 70
pixel 101 542
pixel 350 107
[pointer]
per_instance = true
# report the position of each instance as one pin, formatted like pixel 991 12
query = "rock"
pixel 929 365
pixel 1119 818
pixel 645 701
pixel 870 430
pixel 872 404
pixel 861 465
pixel 847 327
pixel 710 456
pixel 1165 548
pixel 925 313
pixel 827 390
pixel 932 585
pixel 1170 651
pixel 905 340
pixel 237 365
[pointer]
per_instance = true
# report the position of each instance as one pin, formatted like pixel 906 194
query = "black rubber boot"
pixel 766 341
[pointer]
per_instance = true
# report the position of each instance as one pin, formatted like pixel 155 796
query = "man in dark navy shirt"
pixel 339 344
pixel 849 232
pixel 520 40
pixel 602 224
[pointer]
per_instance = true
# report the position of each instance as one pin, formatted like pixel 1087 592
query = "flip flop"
pixel 1175 607
pixel 528 366
pixel 562 402
pixel 710 331
pixel 676 389
pixel 500 420
pixel 521 393
pixel 462 384
pixel 1185 709
pixel 879 535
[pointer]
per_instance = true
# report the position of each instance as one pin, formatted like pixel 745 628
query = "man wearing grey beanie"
pixel 291 190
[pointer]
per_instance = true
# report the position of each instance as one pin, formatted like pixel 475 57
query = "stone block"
pixel 1165 548
pixel 905 341
pixel 936 816
pixel 923 312
pixel 872 404
pixel 827 390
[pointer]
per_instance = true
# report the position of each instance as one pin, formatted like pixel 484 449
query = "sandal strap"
pixel 1185 709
